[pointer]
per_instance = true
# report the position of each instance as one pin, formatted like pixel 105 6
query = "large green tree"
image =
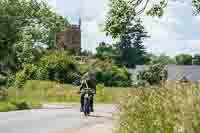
pixel 127 29
pixel 25 25
pixel 183 59
pixel 131 50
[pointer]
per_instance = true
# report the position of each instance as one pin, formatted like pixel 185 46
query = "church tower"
pixel 70 38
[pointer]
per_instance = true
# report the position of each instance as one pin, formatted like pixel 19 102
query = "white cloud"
pixel 176 32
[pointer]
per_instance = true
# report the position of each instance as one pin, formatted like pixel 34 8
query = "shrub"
pixel 111 75
pixel 153 74
pixel 58 66
pixel 22 105
pixel 29 72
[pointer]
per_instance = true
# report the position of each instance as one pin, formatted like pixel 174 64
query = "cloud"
pixel 176 32
pixel 67 8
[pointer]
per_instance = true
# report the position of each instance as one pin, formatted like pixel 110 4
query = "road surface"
pixel 58 119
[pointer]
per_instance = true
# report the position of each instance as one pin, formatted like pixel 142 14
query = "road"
pixel 58 119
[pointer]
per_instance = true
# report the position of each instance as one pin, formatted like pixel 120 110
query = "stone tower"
pixel 70 38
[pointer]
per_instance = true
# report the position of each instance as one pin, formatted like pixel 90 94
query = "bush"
pixel 58 66
pixel 111 75
pixel 14 105
pixel 22 105
pixel 153 74
pixel 29 72
pixel 156 110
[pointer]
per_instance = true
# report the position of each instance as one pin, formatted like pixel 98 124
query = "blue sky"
pixel 177 32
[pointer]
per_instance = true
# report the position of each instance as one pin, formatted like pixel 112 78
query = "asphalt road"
pixel 58 119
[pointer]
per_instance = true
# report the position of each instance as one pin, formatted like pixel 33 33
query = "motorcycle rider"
pixel 90 82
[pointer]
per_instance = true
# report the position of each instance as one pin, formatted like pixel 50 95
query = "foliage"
pixel 130 47
pixel 119 17
pixel 183 59
pixel 123 25
pixel 3 80
pixel 28 54
pixel 151 7
pixel 58 66
pixel 196 60
pixel 21 105
pixel 162 59
pixel 6 79
pixel 106 51
pixel 196 4
pixel 29 72
pixel 83 68
pixel 111 75
pixel 24 25
pixel 3 93
pixel 7 106
pixel 153 74
pixel 161 110
pixel 86 53
pixel 18 104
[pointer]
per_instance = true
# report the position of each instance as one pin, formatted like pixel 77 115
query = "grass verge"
pixel 34 93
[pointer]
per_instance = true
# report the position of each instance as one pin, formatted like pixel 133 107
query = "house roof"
pixel 177 72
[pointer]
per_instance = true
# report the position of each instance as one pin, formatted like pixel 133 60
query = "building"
pixel 176 72
pixel 70 38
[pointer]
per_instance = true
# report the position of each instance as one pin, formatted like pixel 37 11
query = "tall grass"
pixel 160 110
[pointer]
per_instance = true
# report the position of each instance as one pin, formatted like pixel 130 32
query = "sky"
pixel 176 32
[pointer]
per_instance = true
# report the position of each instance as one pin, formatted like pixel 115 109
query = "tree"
pixel 25 24
pixel 105 51
pixel 162 59
pixel 156 8
pixel 119 17
pixel 183 59
pixel 86 53
pixel 130 47
pixel 123 25
pixel 196 59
